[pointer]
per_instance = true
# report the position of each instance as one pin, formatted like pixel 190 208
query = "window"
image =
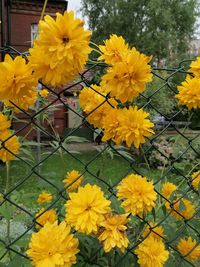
pixel 34 32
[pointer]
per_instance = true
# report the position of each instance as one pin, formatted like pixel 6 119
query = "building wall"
pixel 19 15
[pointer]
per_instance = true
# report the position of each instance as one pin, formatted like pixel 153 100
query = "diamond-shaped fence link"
pixel 32 172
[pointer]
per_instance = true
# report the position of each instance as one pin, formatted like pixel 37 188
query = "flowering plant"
pixel 79 216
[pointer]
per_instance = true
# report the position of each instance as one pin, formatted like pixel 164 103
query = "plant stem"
pixel 94 44
pixel 41 17
pixel 193 168
pixel 93 49
pixel 43 9
pixel 145 159
pixel 7 203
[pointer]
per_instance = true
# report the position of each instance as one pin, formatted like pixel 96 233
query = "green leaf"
pixel 188 167
pixel 31 143
pixel 98 173
pixel 154 214
pixel 179 166
pixel 18 260
pixel 75 139
pixel 164 210
pixel 7 211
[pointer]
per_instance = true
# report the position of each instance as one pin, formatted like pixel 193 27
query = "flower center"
pixel 50 253
pixel 88 208
pixel 65 40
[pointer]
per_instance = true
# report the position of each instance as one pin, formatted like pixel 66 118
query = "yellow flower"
pixel 156 232
pixel 44 93
pixel 93 103
pixel 137 193
pixel 196 179
pixel 8 148
pixel 113 232
pixel 167 189
pixel 86 209
pixel 133 126
pixel 4 122
pixel 177 212
pixel 61 50
pixel 110 124
pixel 126 79
pixel 129 125
pixel 151 252
pixel 44 197
pixel 72 180
pixel 114 49
pixel 48 216
pixel 195 67
pixel 53 246
pixel 189 93
pixel 187 247
pixel 17 83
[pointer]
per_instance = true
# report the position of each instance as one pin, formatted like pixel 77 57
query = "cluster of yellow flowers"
pixel 88 211
pixel 72 181
pixel 128 125
pixel 124 80
pixel 9 144
pixel 139 198
pixel 58 55
pixel 45 216
pixel 189 91
pixel 174 207
pixel 129 71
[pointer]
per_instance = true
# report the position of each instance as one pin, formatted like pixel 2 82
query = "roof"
pixel 64 2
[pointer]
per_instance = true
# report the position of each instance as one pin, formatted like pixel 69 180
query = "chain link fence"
pixel 172 154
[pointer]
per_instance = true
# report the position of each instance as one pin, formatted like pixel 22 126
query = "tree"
pixel 162 28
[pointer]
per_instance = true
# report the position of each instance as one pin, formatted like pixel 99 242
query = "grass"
pixel 95 168
pixel 98 169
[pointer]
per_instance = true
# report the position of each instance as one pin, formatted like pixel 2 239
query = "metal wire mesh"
pixel 171 171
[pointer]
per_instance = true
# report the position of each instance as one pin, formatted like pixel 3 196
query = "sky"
pixel 74 5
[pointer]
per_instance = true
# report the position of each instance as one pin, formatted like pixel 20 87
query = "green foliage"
pixel 159 92
pixel 157 27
